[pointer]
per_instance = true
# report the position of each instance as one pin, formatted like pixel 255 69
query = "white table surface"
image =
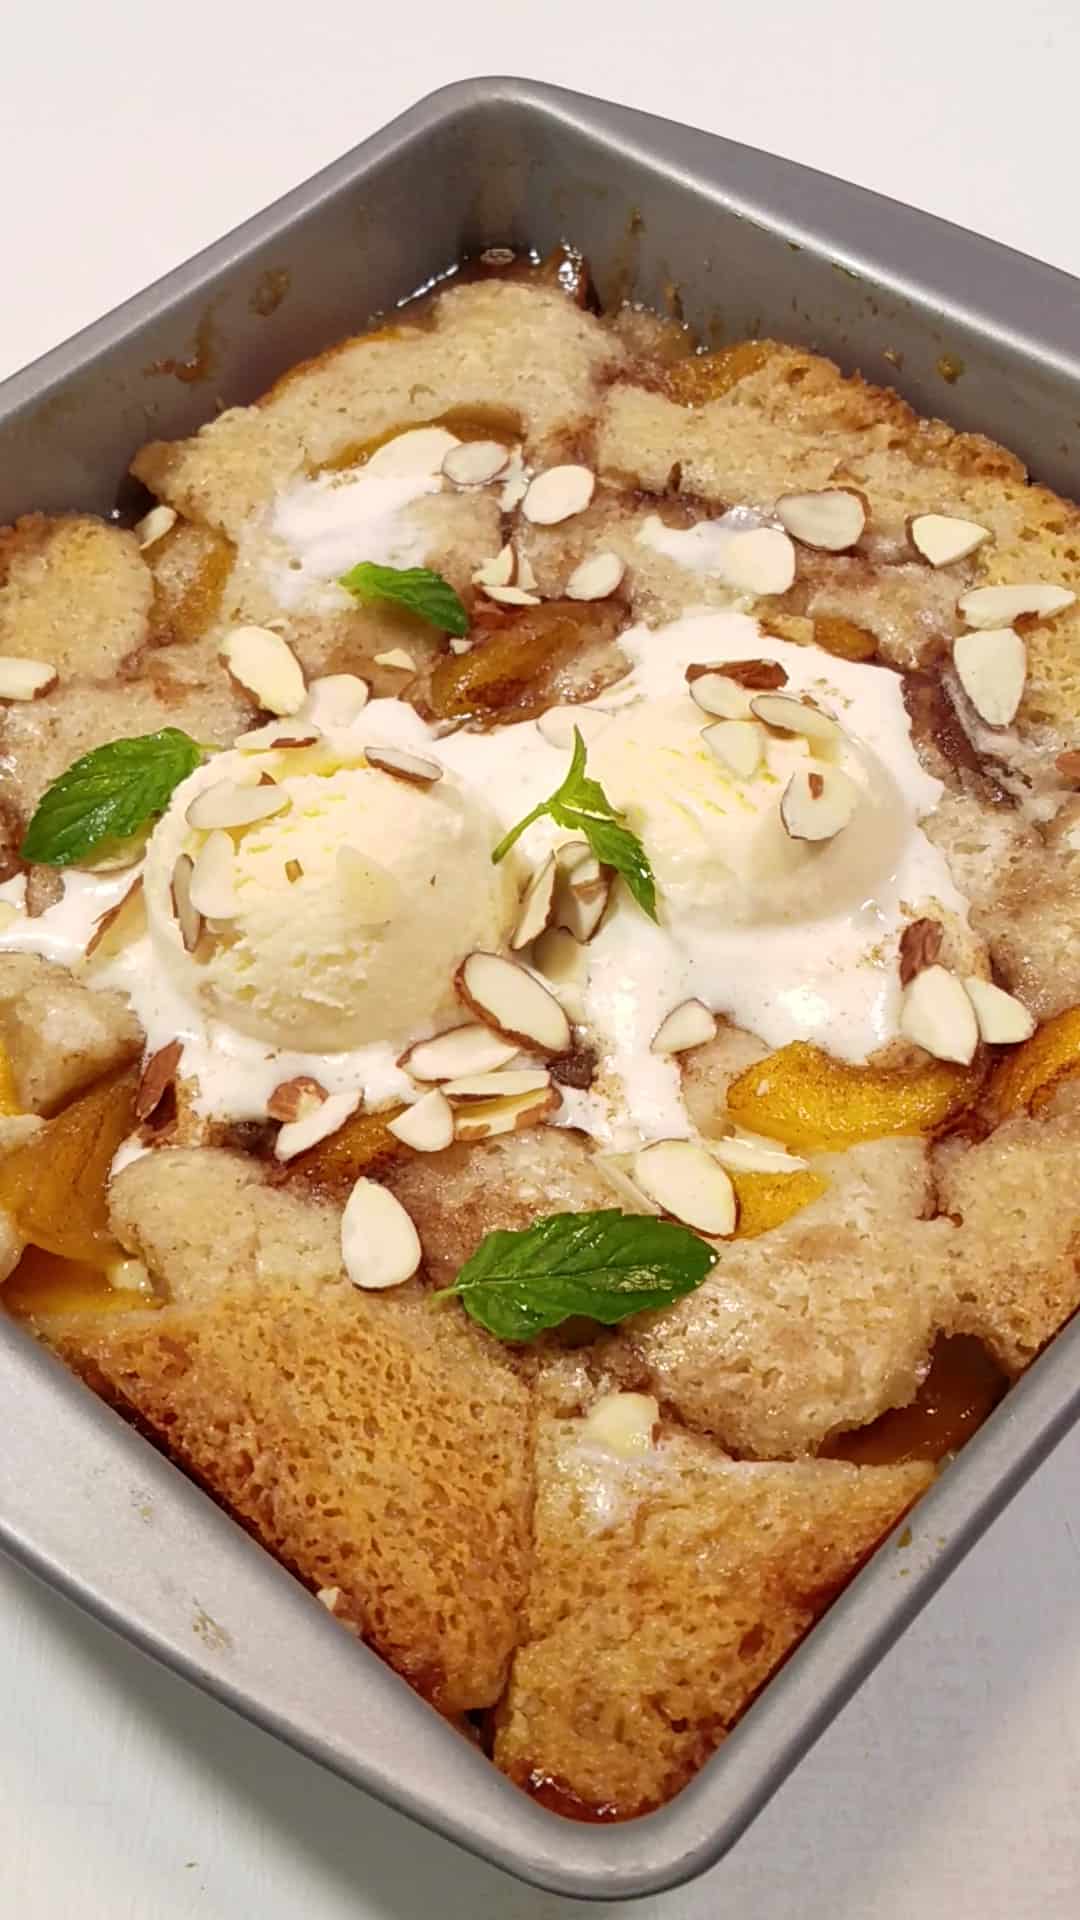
pixel 129 136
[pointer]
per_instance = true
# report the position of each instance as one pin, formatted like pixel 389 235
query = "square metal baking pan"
pixel 753 245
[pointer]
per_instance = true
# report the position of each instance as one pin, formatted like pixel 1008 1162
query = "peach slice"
pixel 363 1146
pixel 766 1200
pixel 1026 1077
pixel 708 376
pixel 9 1099
pixel 55 1186
pixel 815 1103
pixel 508 675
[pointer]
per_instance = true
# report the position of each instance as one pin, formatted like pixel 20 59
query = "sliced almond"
pixel 154 526
pixel 396 657
pixel 582 890
pixel 227 804
pixel 516 484
pixel 506 997
pixel 266 666
pixel 505 1085
pixel 470 1049
pixel 458 644
pixel 749 1153
pixel 1003 1020
pixel 920 944
pixel 596 577
pixel 296 1136
pixel 129 1276
pixel 476 462
pixel 484 1119
pixel 158 1075
pixel 830 520
pixel 760 561
pixel 616 1170
pixel 684 1179
pixel 564 961
pixel 213 878
pixel 295 1099
pixel 760 676
pixel 369 892
pixel 991 665
pixel 936 1012
pixel 427 1126
pixel 380 1246
pixel 512 596
pixel 537 906
pixel 717 694
pixel 525 576
pixel 558 494
pixel 25 679
pixel 328 1597
pixel 624 1424
pixel 275 737
pixel 336 700
pixel 796 716
pixel 188 918
pixel 688 1025
pixel 943 540
pixel 404 766
pixel 127 917
pixel 999 606
pixel 737 744
pixel 558 724
pixel 498 572
pixel 818 803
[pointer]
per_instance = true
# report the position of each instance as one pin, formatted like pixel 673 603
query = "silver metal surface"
pixel 754 245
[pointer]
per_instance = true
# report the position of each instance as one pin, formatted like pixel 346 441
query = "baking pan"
pixel 745 244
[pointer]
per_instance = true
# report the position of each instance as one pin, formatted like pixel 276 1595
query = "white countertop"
pixel 130 136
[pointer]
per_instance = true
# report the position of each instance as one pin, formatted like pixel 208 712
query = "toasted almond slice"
pixel 991 665
pixel 596 577
pixel 737 744
pixel 624 1424
pixel 557 725
pixel 537 906
pixel 470 1049
pixel 476 462
pixel 512 596
pixel 266 666
pixel 336 700
pixel 277 736
pixel 684 1179
pixel 525 576
pixel 616 1170
pixel 369 893
pixel 154 526
pixel 380 1246
pixel 759 676
pixel 228 804
pixel 1003 1019
pixel 796 716
pixel 943 540
pixel 515 485
pixel 396 657
pixel 405 766
pixel 458 644
pixel 830 520
pixel 760 561
pixel 920 944
pixel 188 918
pixel 999 606
pixel 158 1075
pixel 427 1126
pixel 936 1012
pixel 716 693
pixel 557 494
pixel 498 572
pixel 124 908
pixel 296 1136
pixel 582 890
pixel 818 803
pixel 295 1099
pixel 213 878
pixel 25 679
pixel 750 1153
pixel 687 1025
pixel 502 994
pixel 483 1119
pixel 505 1085
pixel 564 962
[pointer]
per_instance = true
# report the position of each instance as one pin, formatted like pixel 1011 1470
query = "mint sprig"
pixel 604 1266
pixel 582 805
pixel 107 795
pixel 419 589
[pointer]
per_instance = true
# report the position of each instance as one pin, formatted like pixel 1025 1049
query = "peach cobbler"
pixel 540 990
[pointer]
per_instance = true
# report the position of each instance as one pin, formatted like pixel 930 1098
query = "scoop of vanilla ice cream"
pixel 354 905
pixel 717 843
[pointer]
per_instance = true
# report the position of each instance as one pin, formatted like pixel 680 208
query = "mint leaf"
pixel 418 589
pixel 582 805
pixel 108 795
pixel 604 1266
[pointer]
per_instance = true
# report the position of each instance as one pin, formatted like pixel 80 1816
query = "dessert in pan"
pixel 538 998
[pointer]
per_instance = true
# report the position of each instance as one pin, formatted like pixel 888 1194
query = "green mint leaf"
pixel 582 805
pixel 108 795
pixel 418 589
pixel 603 1266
